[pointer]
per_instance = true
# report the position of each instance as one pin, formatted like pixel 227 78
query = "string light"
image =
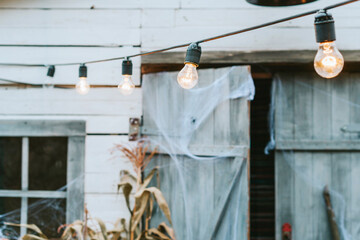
pixel 188 76
pixel 48 83
pixel 82 87
pixel 126 86
pixel 328 61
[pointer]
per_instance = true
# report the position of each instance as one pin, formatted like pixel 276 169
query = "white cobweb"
pixel 49 214
pixel 207 195
pixel 304 166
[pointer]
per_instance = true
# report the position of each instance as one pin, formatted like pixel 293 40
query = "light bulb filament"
pixel 329 61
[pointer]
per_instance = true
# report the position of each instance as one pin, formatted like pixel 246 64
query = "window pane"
pixel 47 163
pixel 47 214
pixel 9 204
pixel 10 163
pixel 9 212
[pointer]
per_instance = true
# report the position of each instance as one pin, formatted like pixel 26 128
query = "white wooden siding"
pixel 200 19
pixel 71 27
pixel 103 165
pixel 86 4
pixel 98 102
pixel 102 174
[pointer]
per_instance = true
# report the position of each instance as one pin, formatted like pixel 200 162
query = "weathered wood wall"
pixel 312 151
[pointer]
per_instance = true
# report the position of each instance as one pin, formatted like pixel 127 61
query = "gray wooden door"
pixel 312 150
pixel 212 202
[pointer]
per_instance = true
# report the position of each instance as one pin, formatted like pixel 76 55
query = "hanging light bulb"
pixel 328 61
pixel 82 87
pixel 48 83
pixel 188 76
pixel 126 86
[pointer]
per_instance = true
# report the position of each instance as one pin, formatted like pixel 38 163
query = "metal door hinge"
pixel 134 129
pixel 351 128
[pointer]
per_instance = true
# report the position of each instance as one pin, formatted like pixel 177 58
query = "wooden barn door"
pixel 217 191
pixel 317 143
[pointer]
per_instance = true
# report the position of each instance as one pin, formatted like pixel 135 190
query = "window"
pixel 41 172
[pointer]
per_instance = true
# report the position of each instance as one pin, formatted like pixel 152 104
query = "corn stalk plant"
pixel 145 198
pixel 79 230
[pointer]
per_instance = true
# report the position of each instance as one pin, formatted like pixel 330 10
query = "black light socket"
pixel 324 27
pixel 127 67
pixel 193 54
pixel 82 71
pixel 51 71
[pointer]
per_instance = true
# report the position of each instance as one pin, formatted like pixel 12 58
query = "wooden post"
pixel 331 215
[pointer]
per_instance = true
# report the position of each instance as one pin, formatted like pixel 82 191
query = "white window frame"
pixel 75 131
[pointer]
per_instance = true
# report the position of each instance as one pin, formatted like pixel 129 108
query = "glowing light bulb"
pixel 328 61
pixel 126 86
pixel 188 76
pixel 82 87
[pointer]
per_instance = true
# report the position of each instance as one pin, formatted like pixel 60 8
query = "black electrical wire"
pixel 187 44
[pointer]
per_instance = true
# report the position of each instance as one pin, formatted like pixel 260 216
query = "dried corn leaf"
pixel 29 226
pixel 126 175
pixel 90 233
pixel 141 236
pixel 99 236
pixel 102 228
pixel 150 208
pixel 74 229
pixel 127 188
pixel 67 232
pixel 148 178
pixel 140 203
pixel 32 237
pixel 137 231
pixel 161 201
pixel 78 230
pixel 119 226
pixel 157 232
pixel 168 230
pixel 115 236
